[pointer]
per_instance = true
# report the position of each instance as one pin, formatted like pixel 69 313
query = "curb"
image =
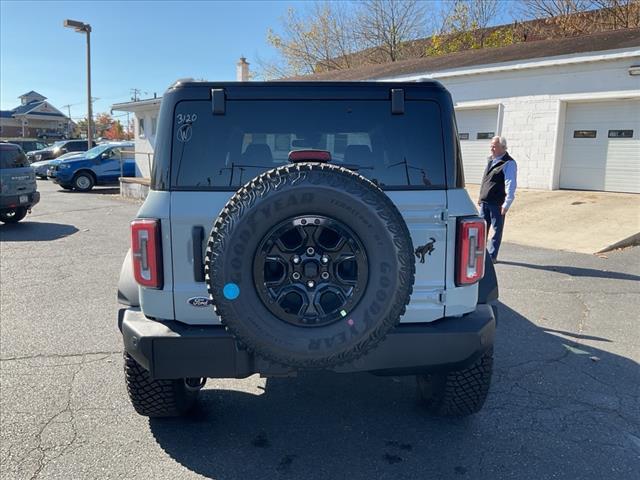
pixel 631 241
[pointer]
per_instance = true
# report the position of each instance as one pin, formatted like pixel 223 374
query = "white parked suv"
pixel 295 226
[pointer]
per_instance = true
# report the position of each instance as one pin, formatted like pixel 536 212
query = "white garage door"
pixel 476 128
pixel 602 147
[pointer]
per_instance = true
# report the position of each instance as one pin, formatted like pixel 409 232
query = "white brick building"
pixel 569 108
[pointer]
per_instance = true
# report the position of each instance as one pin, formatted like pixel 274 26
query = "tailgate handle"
pixel 197 236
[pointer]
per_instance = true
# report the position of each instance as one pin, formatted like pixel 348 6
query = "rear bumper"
pixel 13 201
pixel 176 350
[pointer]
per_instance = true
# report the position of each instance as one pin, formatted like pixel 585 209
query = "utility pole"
pixel 135 92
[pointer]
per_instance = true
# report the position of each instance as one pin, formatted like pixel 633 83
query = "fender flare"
pixel 128 292
pixel 488 286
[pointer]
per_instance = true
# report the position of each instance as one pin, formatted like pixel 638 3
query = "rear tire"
pixel 83 182
pixel 458 393
pixel 159 398
pixel 14 215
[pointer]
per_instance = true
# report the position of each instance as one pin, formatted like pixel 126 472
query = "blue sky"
pixel 143 44
pixel 137 44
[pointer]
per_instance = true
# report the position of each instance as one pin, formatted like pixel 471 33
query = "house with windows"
pixel 34 118
pixel 145 123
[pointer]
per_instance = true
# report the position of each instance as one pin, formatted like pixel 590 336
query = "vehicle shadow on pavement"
pixel 576 271
pixel 28 231
pixel 554 406
pixel 94 191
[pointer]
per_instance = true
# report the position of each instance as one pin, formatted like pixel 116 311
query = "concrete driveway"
pixel 570 220
pixel 564 402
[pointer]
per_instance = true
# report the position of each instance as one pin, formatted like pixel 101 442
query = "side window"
pixel 154 124
pixel 141 128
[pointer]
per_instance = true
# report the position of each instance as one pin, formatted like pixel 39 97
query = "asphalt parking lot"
pixel 565 400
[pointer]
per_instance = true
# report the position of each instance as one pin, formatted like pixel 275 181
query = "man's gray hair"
pixel 502 140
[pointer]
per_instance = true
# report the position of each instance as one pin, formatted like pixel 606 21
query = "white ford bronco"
pixel 304 226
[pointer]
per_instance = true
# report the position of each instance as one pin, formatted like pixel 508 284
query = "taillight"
pixel 470 250
pixel 146 252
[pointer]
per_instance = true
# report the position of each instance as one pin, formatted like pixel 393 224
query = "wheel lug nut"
pixel 325 259
pixel 296 259
pixel 325 275
pixel 296 276
pixel 311 284
pixel 310 251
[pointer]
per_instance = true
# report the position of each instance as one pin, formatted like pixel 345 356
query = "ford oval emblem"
pixel 199 301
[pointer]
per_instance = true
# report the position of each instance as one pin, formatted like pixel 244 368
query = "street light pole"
pixel 90 102
pixel 81 27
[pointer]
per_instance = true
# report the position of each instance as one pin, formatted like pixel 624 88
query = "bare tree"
pixel 318 39
pixel 466 25
pixel 574 17
pixel 385 26
pixel 568 16
pixel 615 14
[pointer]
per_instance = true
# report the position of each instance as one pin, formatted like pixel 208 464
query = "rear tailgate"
pixel 193 214
pixel 213 154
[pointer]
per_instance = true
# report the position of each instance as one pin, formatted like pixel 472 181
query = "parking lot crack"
pixel 62 355
pixel 43 461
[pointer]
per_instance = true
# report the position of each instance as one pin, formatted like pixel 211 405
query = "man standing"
pixel 497 191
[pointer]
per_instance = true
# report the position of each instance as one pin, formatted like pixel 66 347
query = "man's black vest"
pixel 492 189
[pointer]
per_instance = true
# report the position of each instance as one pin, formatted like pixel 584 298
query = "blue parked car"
pixel 42 166
pixel 102 165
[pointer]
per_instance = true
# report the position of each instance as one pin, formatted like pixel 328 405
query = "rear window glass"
pixel 13 158
pixel 225 151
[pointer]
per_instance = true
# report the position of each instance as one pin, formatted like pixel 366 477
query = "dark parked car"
pixel 17 184
pixel 57 149
pixel 52 134
pixel 102 165
pixel 28 145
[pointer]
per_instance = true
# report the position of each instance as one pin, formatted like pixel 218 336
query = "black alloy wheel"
pixel 310 271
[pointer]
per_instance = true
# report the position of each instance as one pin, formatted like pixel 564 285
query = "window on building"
pixel 584 133
pixel 620 133
pixel 154 124
pixel 463 136
pixel 141 128
pixel 485 135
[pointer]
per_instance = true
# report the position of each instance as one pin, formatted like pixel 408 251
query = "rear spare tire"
pixel 310 265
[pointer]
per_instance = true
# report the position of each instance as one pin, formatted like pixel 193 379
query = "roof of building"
pixel 32 92
pixel 27 107
pixel 133 105
pixel 597 42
